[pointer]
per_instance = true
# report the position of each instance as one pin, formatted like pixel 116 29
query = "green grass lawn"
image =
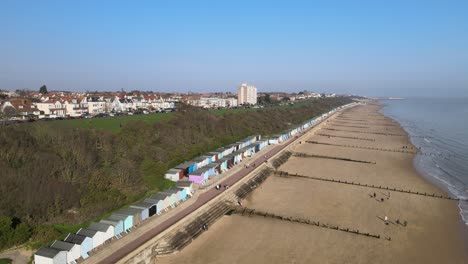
pixel 5 261
pixel 112 123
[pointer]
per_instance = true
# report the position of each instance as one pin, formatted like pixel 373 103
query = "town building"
pixel 246 94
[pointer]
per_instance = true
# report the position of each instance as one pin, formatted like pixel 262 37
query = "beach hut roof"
pixel 75 239
pixel 179 189
pixel 123 212
pixel 212 153
pixel 48 252
pixel 185 165
pixel 62 245
pixel 173 170
pixel 232 145
pixel 117 216
pixel 113 222
pixel 145 205
pixel 102 227
pixel 131 210
pixel 172 190
pixel 167 192
pixel 159 196
pixel 89 232
pixel 201 158
pixel 199 171
pixel 184 183
pixel 212 165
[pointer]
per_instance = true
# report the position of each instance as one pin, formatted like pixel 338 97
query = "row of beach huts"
pixel 197 171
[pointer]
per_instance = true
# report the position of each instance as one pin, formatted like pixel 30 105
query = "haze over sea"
pixel 438 126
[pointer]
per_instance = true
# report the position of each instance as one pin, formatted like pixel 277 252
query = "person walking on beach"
pixel 386 220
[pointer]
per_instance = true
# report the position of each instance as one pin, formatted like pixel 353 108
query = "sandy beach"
pixel 381 155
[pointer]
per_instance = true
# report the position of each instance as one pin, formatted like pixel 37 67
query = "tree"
pixel 9 111
pixel 43 89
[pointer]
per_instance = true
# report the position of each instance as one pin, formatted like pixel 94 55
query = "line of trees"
pixel 52 174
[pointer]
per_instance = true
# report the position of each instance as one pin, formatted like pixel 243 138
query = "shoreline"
pixel 244 239
pixel 430 179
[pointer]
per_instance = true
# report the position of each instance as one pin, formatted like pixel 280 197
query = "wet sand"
pixel 433 233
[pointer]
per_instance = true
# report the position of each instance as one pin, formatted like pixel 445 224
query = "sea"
pixel 439 127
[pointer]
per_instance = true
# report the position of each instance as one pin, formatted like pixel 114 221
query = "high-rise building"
pixel 246 94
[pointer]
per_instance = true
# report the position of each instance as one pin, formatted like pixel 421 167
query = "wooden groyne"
pixel 305 155
pixel 360 147
pixel 357 138
pixel 281 159
pixel 243 211
pixel 332 124
pixel 364 132
pixel 393 189
pixel 253 183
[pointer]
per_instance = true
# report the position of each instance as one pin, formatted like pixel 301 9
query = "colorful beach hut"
pixel 127 220
pixel 84 243
pixel 174 174
pixel 148 209
pixel 187 185
pixel 117 224
pixel 161 201
pixel 136 213
pixel 173 198
pixel 95 236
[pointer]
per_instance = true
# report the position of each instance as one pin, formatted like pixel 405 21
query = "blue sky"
pixel 376 48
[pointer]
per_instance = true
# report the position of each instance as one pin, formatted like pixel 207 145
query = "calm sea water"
pixel 440 127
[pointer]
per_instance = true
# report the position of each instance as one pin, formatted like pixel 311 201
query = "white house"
pixel 52 107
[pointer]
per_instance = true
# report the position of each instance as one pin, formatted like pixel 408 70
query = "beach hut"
pixel 161 201
pixel 221 165
pixel 187 167
pixel 142 213
pixel 197 176
pixel 84 243
pixel 229 149
pixel 187 185
pixel 72 250
pixel 95 236
pixel 238 155
pixel 261 145
pixel 183 193
pixel 148 209
pixel 273 140
pixel 229 159
pixel 177 193
pixel 106 232
pixel 127 220
pixel 173 198
pixel 132 211
pixel 48 255
pixel 214 155
pixel 174 174
pixel 117 224
pixel 202 161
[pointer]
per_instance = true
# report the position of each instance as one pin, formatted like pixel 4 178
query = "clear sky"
pixel 376 48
